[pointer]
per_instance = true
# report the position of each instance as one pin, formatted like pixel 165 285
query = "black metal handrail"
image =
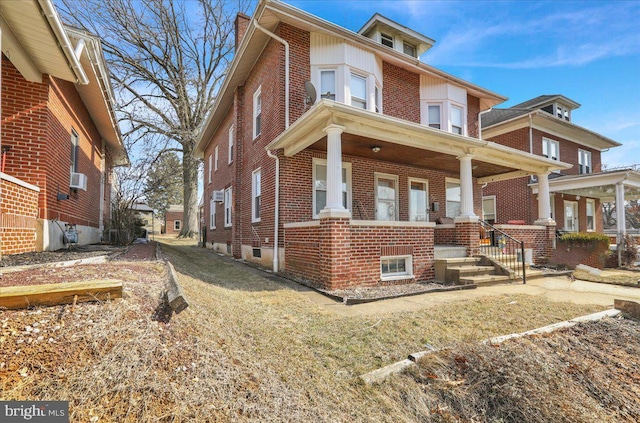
pixel 503 249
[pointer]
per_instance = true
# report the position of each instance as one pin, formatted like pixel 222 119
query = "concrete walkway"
pixel 559 289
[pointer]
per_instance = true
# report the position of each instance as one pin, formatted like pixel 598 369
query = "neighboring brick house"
pixel 346 188
pixel 59 134
pixel 543 126
pixel 173 219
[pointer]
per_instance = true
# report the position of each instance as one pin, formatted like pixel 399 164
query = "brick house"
pixel 59 135
pixel 360 184
pixel 173 219
pixel 543 126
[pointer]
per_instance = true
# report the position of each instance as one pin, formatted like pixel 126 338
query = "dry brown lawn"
pixel 614 277
pixel 248 348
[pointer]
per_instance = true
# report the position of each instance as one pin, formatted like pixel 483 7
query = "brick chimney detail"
pixel 241 25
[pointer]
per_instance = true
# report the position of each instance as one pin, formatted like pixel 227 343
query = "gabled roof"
pixel 500 115
pixel 35 41
pixel 269 14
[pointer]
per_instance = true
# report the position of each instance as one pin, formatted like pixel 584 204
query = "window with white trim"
pixel 396 267
pixel 550 149
pixel 215 158
pixel 489 208
pixel 378 100
pixel 210 170
pixel 228 218
pixel 457 121
pixel 176 225
pixel 418 200
pixel 320 186
pixel 255 195
pixel 453 197
pixel 75 147
pixel 434 116
pixel 409 49
pixel 386 40
pixel 230 154
pixel 591 214
pixel 257 112
pixel 584 162
pixel 328 84
pixel 212 213
pixel 358 89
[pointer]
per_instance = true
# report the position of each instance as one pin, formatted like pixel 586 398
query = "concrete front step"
pixel 441 265
pixel 455 273
pixel 487 280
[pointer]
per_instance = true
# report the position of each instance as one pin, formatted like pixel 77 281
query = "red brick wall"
pixel 539 240
pixel 444 236
pixel 400 93
pixel 18 213
pixel 169 221
pixel 37 120
pixel 336 255
pixel 570 255
pixel 473 108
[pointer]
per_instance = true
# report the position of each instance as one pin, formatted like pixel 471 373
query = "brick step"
pixel 487 280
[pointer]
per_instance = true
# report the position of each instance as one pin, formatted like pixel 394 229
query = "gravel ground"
pixel 390 291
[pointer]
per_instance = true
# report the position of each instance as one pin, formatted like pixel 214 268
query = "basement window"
pixel 396 267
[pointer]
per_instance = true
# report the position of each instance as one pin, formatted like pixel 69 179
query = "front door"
pixel 571 216
pixel 386 197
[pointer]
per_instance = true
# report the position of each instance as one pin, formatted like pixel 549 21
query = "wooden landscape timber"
pixel 630 307
pixel 176 299
pixel 15 297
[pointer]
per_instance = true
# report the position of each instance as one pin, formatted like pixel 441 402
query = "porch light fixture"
pixel 375 149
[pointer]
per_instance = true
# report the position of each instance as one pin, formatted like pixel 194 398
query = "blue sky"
pixel 588 51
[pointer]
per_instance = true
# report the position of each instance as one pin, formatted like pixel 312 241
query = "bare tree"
pixel 167 59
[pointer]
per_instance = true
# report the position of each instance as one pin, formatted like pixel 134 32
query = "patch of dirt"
pixel 362 294
pixel 139 252
pixel 75 253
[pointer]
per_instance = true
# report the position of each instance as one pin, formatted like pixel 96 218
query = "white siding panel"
pixel 359 58
pixel 457 94
pixel 432 88
pixel 326 50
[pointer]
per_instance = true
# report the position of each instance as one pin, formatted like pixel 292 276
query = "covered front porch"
pixel 385 192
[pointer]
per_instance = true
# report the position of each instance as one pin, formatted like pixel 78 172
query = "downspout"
pixel 530 134
pixel 480 121
pixel 269 153
pixel 529 191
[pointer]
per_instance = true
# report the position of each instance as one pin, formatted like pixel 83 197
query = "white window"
pixel 591 215
pixel 453 197
pixel 255 195
pixel 210 171
pixel 457 121
pixel 386 196
pixel 257 112
pixel 434 116
pixel 176 225
pixel 358 91
pixel 550 149
pixel 489 208
pixel 212 213
pixel 328 84
pixel 409 49
pixel 230 158
pixel 584 162
pixel 320 186
pixel 386 40
pixel 396 267
pixel 215 158
pixel 75 147
pixel 227 207
pixel 418 200
pixel 377 99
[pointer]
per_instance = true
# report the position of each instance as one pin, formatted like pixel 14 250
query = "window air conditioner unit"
pixel 218 196
pixel 78 181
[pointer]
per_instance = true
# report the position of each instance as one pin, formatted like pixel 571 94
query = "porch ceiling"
pixel 597 185
pixel 408 143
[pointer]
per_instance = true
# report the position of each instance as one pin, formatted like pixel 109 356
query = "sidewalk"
pixel 559 289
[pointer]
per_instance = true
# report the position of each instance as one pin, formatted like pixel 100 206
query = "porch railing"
pixel 503 249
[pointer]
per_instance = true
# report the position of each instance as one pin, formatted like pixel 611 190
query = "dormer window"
pixel 386 40
pixel 409 49
pixel 558 110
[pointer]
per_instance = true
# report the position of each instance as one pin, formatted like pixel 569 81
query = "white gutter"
pixel 276 213
pixel 269 153
pixel 286 69
pixel 51 14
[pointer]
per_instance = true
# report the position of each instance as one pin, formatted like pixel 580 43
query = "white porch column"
pixel 334 207
pixel 544 204
pixel 466 188
pixel 621 218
